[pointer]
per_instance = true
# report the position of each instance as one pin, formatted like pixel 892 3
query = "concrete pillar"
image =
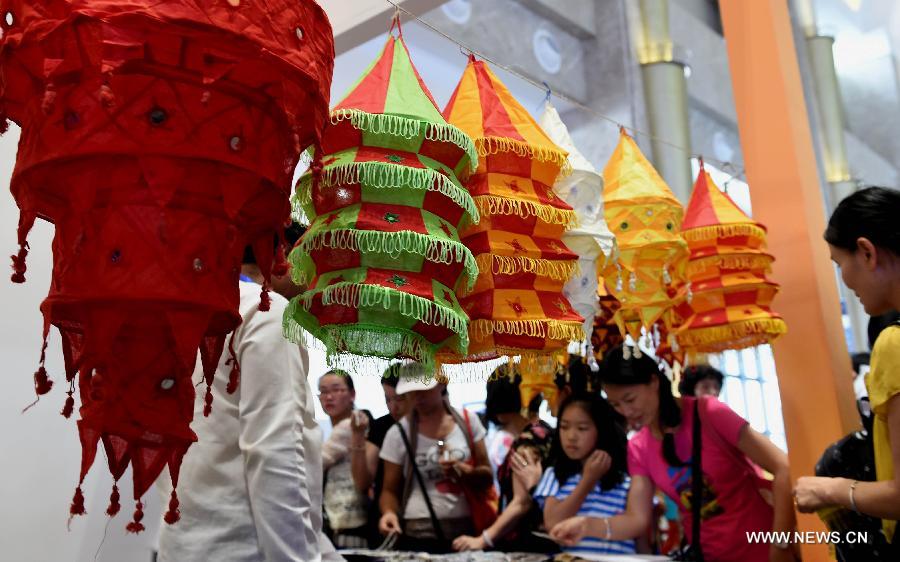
pixel 666 98
pixel 811 359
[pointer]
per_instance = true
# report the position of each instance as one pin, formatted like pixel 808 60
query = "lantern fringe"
pixel 736 261
pixel 396 125
pixel 364 340
pixel 713 232
pixel 495 205
pixel 720 338
pixel 545 328
pixel 495 145
pixel 381 175
pixel 394 244
pixel 511 265
pixel 357 295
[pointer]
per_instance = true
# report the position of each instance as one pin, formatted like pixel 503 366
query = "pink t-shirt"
pixel 732 502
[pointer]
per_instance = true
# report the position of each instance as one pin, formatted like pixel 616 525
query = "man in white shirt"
pixel 251 487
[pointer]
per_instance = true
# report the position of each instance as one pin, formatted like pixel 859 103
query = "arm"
pixel 390 498
pixel 336 446
pixel 271 441
pixel 761 451
pixel 878 499
pixel 479 476
pixel 595 466
pixel 363 455
pixel 631 524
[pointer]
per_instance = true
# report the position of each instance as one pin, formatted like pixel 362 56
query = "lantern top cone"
pixel 484 108
pixel 711 213
pixel 629 177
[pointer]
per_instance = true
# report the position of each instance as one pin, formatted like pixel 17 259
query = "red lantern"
pixel 159 138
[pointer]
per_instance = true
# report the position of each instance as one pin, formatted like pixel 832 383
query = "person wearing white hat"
pixel 449 455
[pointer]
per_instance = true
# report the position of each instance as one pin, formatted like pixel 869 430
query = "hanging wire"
pixel 544 87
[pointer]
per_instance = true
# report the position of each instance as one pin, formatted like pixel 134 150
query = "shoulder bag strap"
pixel 696 483
pixel 412 460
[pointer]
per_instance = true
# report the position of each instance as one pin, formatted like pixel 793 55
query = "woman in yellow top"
pixel 863 235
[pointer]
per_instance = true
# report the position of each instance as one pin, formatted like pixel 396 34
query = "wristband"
pixel 608 528
pixel 852 499
pixel 487 539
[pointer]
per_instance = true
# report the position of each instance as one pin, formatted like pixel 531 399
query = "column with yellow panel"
pixel 811 359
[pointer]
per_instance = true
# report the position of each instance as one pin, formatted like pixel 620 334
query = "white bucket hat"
pixel 414 376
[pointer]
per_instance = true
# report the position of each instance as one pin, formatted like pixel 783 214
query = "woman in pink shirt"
pixel 659 456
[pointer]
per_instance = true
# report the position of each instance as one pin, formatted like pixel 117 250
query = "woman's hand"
pixel 569 532
pixel 596 466
pixel 389 524
pixel 526 468
pixel 814 492
pixel 465 542
pixel 791 554
pixel 359 424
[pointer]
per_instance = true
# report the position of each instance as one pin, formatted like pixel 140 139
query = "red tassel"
pixel 208 399
pixel 42 383
pixel 18 264
pixel 77 507
pixel 69 407
pixel 114 505
pixel 265 302
pixel 173 515
pixel 135 526
pixel 107 98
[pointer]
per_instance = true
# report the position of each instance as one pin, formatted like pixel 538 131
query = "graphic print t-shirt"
pixel 732 503
pixel 446 496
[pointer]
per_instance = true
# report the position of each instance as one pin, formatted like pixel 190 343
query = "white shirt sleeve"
pixel 271 433
pixel 337 446
pixel 392 449
pixel 478 431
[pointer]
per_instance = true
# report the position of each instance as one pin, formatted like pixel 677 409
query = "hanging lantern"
pixel 517 305
pixel 382 255
pixel 731 297
pixel 591 238
pixel 159 139
pixel 645 217
pixel 606 334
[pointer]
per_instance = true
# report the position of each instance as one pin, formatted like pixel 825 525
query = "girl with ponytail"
pixel 735 500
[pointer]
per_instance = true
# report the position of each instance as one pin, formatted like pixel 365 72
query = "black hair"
pixel 503 397
pixel 610 438
pixel 696 373
pixel 391 375
pixel 578 376
pixel 642 369
pixel 879 323
pixel 291 235
pixel 869 213
pixel 343 374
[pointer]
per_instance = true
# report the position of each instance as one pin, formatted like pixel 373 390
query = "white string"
pixel 739 173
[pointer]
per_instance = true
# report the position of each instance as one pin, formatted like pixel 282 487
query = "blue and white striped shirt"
pixel 597 504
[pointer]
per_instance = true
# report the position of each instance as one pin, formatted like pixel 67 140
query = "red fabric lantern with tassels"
pixel 159 138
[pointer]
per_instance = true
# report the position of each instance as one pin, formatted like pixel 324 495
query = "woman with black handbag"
pixel 677 439
pixel 864 241
pixel 446 491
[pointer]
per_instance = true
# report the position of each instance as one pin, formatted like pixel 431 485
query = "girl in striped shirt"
pixel 589 477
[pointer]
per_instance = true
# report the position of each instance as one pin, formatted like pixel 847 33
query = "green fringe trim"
pixel 394 244
pixel 736 335
pixel 397 125
pixel 382 175
pixel 493 205
pixel 510 265
pixel 358 295
pixel 549 329
pixel 495 145
pixel 358 340
pixel 704 233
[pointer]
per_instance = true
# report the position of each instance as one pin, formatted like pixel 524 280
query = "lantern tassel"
pixel 234 375
pixel 136 526
pixel 114 505
pixel 173 514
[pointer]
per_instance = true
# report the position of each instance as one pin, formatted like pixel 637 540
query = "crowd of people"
pixel 632 466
